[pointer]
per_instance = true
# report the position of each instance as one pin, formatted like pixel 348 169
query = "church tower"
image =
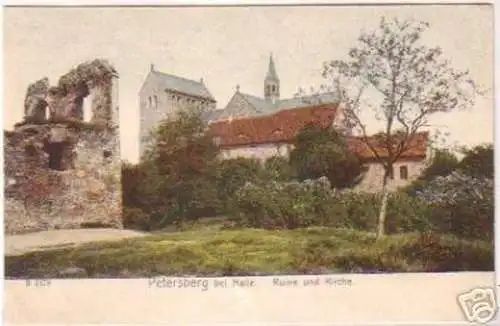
pixel 272 82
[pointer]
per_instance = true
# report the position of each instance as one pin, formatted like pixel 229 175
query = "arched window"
pixel 155 102
pixel 150 102
pixel 403 172
pixel 274 88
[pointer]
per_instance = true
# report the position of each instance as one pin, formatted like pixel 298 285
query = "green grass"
pixel 209 251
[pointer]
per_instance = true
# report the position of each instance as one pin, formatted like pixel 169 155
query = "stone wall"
pixel 62 172
pixel 71 183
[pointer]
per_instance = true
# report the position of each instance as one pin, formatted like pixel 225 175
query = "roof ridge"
pixel 178 77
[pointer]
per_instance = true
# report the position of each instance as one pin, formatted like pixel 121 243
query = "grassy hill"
pixel 208 250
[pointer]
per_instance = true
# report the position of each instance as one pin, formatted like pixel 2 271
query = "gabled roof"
pixel 182 85
pixel 265 107
pixel 417 146
pixel 276 128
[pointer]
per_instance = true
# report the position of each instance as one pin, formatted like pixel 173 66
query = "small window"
pixel 106 154
pixel 403 172
pixel 155 102
pixel 274 88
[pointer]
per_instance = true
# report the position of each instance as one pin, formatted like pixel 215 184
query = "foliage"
pixel 324 152
pixel 232 174
pixel 301 204
pixel 288 205
pixel 443 163
pixel 175 181
pixel 278 168
pixel 403 82
pixel 212 252
pixel 478 161
pixel 462 205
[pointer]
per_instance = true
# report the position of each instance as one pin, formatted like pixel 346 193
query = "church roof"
pixel 266 107
pixel 280 127
pixel 183 85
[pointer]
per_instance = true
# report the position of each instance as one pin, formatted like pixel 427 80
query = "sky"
pixel 229 46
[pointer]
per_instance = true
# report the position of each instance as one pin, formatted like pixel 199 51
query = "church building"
pixel 164 94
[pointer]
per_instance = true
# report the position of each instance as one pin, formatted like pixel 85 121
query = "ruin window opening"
pixel 56 155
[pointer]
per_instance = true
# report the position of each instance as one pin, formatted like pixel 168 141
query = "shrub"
pixel 136 218
pixel 286 205
pixel 278 168
pixel 461 205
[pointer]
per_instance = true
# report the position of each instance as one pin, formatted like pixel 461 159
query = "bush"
pixel 461 205
pixel 286 205
pixel 278 168
pixel 301 204
pixel 136 218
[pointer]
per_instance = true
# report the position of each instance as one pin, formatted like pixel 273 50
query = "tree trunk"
pixel 383 207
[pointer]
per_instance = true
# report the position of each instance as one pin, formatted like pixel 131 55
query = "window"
pixel 150 102
pixel 403 172
pixel 56 151
pixel 155 102
pixel 274 88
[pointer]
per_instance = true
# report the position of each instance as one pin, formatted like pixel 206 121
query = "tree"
pixel 478 161
pixel 232 174
pixel 179 162
pixel 324 152
pixel 403 82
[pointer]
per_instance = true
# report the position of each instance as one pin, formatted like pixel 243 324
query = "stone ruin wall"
pixel 62 172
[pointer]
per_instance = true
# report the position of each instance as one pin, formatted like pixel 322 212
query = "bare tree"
pixel 402 82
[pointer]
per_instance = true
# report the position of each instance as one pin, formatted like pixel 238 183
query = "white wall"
pixel 372 181
pixel 261 152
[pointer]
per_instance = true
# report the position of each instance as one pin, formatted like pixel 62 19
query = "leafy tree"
pixel 232 174
pixel 324 152
pixel 179 161
pixel 403 82
pixel 478 161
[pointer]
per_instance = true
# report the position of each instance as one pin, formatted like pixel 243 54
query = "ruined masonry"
pixel 62 172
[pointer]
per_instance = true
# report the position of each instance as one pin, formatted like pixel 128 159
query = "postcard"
pixel 249 163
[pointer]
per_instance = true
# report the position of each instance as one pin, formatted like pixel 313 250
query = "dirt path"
pixel 22 243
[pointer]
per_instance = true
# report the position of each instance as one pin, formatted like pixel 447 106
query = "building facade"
pixel 274 135
pixel 162 95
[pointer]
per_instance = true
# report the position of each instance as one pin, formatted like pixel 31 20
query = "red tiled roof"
pixel 284 126
pixel 417 147
pixel 281 127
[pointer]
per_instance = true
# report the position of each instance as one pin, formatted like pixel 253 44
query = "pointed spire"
pixel 271 73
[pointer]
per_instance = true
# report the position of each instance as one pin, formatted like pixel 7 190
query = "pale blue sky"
pixel 230 46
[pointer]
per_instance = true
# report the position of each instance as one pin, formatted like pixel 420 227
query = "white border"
pixel 276 2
